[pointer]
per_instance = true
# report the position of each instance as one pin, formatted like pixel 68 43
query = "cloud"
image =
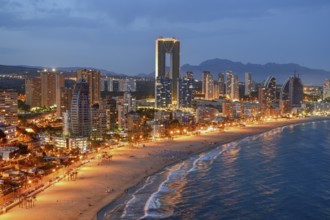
pixel 125 12
pixel 120 30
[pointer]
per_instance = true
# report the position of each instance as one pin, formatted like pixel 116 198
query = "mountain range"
pixel 259 72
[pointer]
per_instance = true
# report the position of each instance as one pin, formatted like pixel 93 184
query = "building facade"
pixel 326 89
pixel 186 91
pixel 292 94
pixel 98 122
pixel 33 92
pixel 221 83
pixel 64 101
pixel 168 46
pixel 209 86
pixel 80 116
pixel 232 89
pixel 110 106
pixel 8 107
pixel 164 94
pixel 51 84
pixel 248 84
pixel 92 77
pixel 205 114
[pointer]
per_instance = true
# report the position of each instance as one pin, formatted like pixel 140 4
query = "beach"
pixel 100 182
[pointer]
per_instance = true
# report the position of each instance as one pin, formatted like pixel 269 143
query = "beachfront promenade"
pixel 101 181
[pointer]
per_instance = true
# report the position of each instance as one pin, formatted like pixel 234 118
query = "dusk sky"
pixel 119 35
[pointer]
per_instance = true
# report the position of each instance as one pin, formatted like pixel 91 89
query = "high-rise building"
pixel 326 89
pixel 232 89
pixel 106 84
pixel 110 106
pixel 186 91
pixel 80 117
pixel 98 122
pixel 8 107
pixel 33 92
pixel 129 103
pixel 216 91
pixel 248 84
pixel 205 75
pixel 168 46
pixel 221 83
pixel 292 94
pixel 93 79
pixel 163 92
pixel 103 84
pixel 63 101
pixel 127 85
pixel 66 123
pixel 121 115
pixel 51 84
pixel 109 81
pixel 270 92
pixel 267 94
pixel 209 87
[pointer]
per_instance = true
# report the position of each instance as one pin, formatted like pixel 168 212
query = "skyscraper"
pixel 98 122
pixel 270 92
pixel 292 94
pixel 63 100
pixel 92 77
pixel 51 83
pixel 221 83
pixel 216 90
pixel 110 106
pixel 127 85
pixel 163 92
pixel 248 84
pixel 80 117
pixel 326 89
pixel 109 81
pixel 232 90
pixel 33 92
pixel 205 74
pixel 8 107
pixel 186 91
pixel 168 46
pixel 209 87
pixel 129 103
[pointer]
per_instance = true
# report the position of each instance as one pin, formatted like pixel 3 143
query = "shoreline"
pixel 86 197
pixel 210 147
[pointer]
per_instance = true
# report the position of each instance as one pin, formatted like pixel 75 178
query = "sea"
pixel 280 174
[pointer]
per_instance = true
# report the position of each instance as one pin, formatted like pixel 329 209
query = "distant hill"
pixel 23 70
pixel 74 69
pixel 259 72
pixel 34 70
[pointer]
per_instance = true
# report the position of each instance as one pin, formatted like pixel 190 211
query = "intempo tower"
pixel 169 46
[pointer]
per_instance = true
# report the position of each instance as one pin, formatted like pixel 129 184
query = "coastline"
pixel 82 199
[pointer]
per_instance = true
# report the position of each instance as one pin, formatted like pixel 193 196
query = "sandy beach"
pixel 101 182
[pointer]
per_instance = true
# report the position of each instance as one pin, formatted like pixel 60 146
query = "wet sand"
pixel 101 182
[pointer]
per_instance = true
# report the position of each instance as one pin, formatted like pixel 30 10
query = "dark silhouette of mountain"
pixel 259 72
pixel 74 69
pixel 35 70
pixel 24 70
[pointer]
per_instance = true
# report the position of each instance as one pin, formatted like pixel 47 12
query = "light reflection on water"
pixel 282 174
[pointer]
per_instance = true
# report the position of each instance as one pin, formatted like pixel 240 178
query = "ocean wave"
pixel 130 205
pixel 153 204
pixel 152 208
